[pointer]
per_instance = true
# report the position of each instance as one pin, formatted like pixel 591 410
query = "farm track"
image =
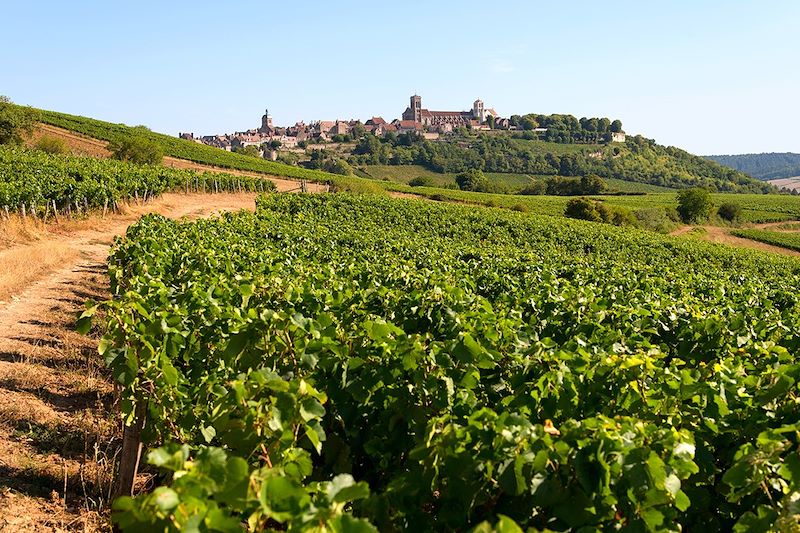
pixel 58 429
pixel 723 235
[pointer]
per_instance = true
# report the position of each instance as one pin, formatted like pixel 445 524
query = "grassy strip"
pixel 775 238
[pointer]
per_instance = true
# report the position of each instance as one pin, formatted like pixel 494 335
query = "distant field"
pixel 787 183
pixel 776 238
pixel 755 207
pixel 405 173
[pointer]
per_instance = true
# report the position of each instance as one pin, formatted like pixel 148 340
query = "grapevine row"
pixel 362 363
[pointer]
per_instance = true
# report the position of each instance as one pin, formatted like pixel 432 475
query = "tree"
pixel 490 120
pixel 472 180
pixel 695 205
pixel 338 166
pixel 16 122
pixel 729 211
pixel 137 149
pixel 251 150
pixel 616 126
pixel 275 144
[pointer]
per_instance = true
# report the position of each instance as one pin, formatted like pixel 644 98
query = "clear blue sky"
pixel 712 77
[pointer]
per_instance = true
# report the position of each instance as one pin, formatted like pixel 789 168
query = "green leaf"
pixel 348 524
pixel 343 488
pixel 165 498
pixel 236 344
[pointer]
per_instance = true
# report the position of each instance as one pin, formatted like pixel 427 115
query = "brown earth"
pixel 722 235
pixel 58 431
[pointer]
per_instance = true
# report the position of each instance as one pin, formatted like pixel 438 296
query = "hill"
pixel 638 160
pixel 762 166
pixel 180 148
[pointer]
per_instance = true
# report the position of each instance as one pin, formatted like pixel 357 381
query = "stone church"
pixel 426 117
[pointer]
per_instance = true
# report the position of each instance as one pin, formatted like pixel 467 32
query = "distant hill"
pixel 762 166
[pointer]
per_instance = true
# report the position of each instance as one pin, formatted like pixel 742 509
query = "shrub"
pixel 729 211
pixel 421 181
pixel 16 122
pixel 582 209
pixel 587 209
pixel 695 205
pixel 51 145
pixel 657 219
pixel 522 208
pixel 472 180
pixel 137 150
pixel 534 188
pixel 336 165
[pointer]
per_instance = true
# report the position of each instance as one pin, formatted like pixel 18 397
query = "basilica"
pixel 416 113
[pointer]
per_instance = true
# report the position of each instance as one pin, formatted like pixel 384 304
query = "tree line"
pixel 638 160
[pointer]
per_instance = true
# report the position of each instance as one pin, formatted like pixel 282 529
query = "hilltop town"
pixel 415 119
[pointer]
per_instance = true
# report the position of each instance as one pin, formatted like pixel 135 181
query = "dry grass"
pixel 21 266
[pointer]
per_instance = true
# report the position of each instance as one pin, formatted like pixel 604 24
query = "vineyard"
pixel 785 239
pixel 350 364
pixel 755 207
pixel 44 185
pixel 181 148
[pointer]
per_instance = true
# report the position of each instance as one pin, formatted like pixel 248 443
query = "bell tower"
pixel 266 121
pixel 416 107
pixel 478 111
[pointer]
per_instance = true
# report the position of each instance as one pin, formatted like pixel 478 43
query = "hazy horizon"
pixel 714 79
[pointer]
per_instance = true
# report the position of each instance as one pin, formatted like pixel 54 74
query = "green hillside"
pixel 180 148
pixel 512 181
pixel 762 166
pixel 637 160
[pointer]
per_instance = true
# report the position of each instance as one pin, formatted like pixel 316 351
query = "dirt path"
pixel 89 146
pixel 723 236
pixel 58 433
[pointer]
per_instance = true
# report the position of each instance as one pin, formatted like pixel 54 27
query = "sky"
pixel 709 76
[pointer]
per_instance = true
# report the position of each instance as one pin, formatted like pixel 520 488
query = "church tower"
pixel 266 121
pixel 478 111
pixel 416 108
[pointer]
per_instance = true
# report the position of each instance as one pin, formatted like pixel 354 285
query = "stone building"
pixel 436 119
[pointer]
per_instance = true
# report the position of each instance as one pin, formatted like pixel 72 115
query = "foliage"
pixel 762 166
pixel 729 211
pixel 638 160
pixel 556 186
pixel 16 122
pixel 136 149
pixel 472 180
pixel 658 219
pixel 421 181
pixel 783 239
pixel 596 211
pixel 249 150
pixel 472 367
pixel 51 145
pixel 695 205
pixel 37 180
pixel 336 165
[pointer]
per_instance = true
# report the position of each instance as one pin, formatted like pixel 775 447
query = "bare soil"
pixel 723 236
pixel 58 431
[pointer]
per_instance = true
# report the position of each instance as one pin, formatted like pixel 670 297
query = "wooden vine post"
pixel 131 452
